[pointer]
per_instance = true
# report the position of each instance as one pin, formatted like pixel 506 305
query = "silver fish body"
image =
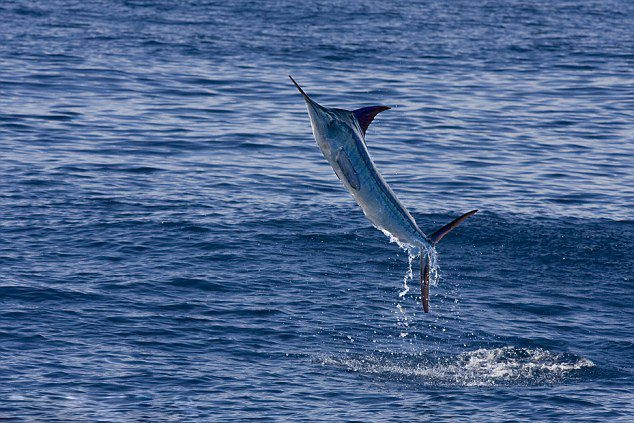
pixel 347 153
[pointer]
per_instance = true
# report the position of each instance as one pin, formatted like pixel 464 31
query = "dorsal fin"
pixel 365 115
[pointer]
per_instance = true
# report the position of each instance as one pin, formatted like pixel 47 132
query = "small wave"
pixel 482 367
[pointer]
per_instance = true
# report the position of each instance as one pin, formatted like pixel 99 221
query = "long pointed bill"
pixel 300 90
pixel 316 111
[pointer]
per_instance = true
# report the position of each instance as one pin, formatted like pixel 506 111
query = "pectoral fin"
pixel 346 168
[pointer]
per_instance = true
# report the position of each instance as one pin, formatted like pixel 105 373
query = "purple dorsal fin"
pixel 365 115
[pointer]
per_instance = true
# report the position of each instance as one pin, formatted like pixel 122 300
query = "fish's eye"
pixel 331 121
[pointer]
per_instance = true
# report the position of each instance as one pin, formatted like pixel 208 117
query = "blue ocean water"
pixel 173 246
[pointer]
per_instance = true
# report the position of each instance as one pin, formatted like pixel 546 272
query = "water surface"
pixel 173 247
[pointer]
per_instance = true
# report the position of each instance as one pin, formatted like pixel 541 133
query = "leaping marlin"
pixel 340 135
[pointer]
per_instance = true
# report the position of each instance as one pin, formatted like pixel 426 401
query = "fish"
pixel 340 135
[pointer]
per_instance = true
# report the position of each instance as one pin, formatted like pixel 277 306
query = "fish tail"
pixel 424 280
pixel 440 233
pixel 425 259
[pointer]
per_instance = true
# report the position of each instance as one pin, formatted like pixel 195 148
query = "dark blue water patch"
pixel 66 116
pixel 30 11
pixel 44 294
pixel 193 284
pixel 576 198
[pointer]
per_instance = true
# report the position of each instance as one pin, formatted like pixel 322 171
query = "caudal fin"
pixel 440 233
pixel 425 259
pixel 424 281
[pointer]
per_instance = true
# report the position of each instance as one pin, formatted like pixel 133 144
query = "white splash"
pixel 402 319
pixel 409 274
pixel 434 268
pixel 482 367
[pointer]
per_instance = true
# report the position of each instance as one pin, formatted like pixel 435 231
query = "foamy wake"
pixel 482 367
